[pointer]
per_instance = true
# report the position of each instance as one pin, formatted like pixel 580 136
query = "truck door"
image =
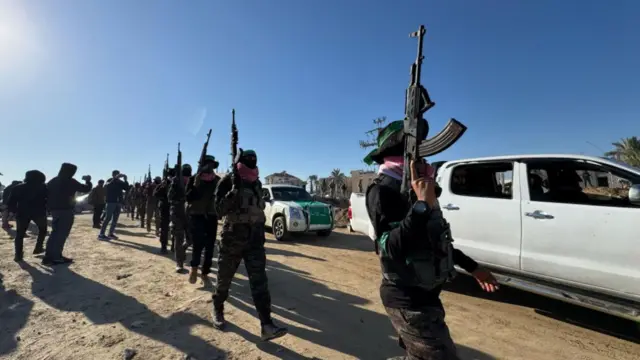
pixel 483 208
pixel 268 206
pixel 577 231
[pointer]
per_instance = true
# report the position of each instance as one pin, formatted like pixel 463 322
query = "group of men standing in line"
pixel 186 208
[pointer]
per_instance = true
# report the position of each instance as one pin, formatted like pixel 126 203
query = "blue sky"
pixel 117 84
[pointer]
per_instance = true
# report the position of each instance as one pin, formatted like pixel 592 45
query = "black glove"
pixel 86 178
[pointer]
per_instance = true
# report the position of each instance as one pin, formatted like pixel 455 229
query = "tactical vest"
pixel 427 269
pixel 205 205
pixel 248 205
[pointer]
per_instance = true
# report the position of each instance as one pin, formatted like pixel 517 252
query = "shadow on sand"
pixel 558 310
pixel 14 312
pixel 120 231
pixel 32 230
pixel 337 240
pixel 66 290
pixel 326 317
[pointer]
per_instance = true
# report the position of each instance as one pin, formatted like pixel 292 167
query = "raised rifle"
pixel 165 172
pixel 235 177
pixel 149 174
pixel 203 154
pixel 178 176
pixel 417 102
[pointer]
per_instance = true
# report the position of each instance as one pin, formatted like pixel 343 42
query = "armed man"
pixel 413 240
pixel 164 208
pixel 239 199
pixel 178 214
pixel 151 204
pixel 134 197
pixel 143 201
pixel 203 220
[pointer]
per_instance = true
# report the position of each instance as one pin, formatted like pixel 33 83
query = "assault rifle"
pixel 203 155
pixel 234 151
pixel 178 175
pixel 417 102
pixel 149 174
pixel 165 171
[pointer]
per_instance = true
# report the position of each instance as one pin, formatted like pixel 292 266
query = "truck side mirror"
pixel 265 195
pixel 634 194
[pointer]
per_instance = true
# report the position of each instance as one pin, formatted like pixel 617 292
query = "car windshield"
pixel 290 194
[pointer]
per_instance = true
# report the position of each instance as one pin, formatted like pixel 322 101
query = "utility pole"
pixel 372 134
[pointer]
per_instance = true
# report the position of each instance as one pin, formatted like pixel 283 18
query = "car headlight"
pixel 295 213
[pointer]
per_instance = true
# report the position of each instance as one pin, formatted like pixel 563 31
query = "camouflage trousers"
pixel 164 219
pixel 132 209
pixel 152 212
pixel 140 212
pixel 178 235
pixel 423 333
pixel 237 243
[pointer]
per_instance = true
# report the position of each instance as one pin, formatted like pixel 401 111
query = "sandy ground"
pixel 123 294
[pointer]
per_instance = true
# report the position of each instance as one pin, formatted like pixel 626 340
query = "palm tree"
pixel 338 179
pixel 626 150
pixel 312 181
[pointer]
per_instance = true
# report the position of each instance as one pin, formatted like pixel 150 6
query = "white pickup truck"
pixel 557 225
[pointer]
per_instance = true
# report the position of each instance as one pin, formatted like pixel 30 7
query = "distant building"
pixel 283 178
pixel 357 175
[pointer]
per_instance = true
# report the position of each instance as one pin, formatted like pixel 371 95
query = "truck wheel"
pixel 324 233
pixel 279 228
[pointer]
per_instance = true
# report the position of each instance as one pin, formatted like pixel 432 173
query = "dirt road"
pixel 124 295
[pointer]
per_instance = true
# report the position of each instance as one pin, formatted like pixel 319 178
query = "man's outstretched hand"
pixel 485 279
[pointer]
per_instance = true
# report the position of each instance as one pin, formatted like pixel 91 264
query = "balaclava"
pixel 186 173
pixel 248 166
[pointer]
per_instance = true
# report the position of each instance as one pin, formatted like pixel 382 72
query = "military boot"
pixel 271 331
pixel 39 249
pixel 193 275
pixel 218 318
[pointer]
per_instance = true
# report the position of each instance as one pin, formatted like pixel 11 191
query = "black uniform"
pixel 160 193
pixel 29 202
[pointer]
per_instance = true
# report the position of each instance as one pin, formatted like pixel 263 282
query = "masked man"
pixel 415 248
pixel 203 221
pixel 151 202
pixel 164 211
pixel 176 196
pixel 239 200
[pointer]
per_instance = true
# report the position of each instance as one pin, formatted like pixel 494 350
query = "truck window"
pixel 489 180
pixel 578 182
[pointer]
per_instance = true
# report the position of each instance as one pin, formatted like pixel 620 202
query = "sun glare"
pixel 18 40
